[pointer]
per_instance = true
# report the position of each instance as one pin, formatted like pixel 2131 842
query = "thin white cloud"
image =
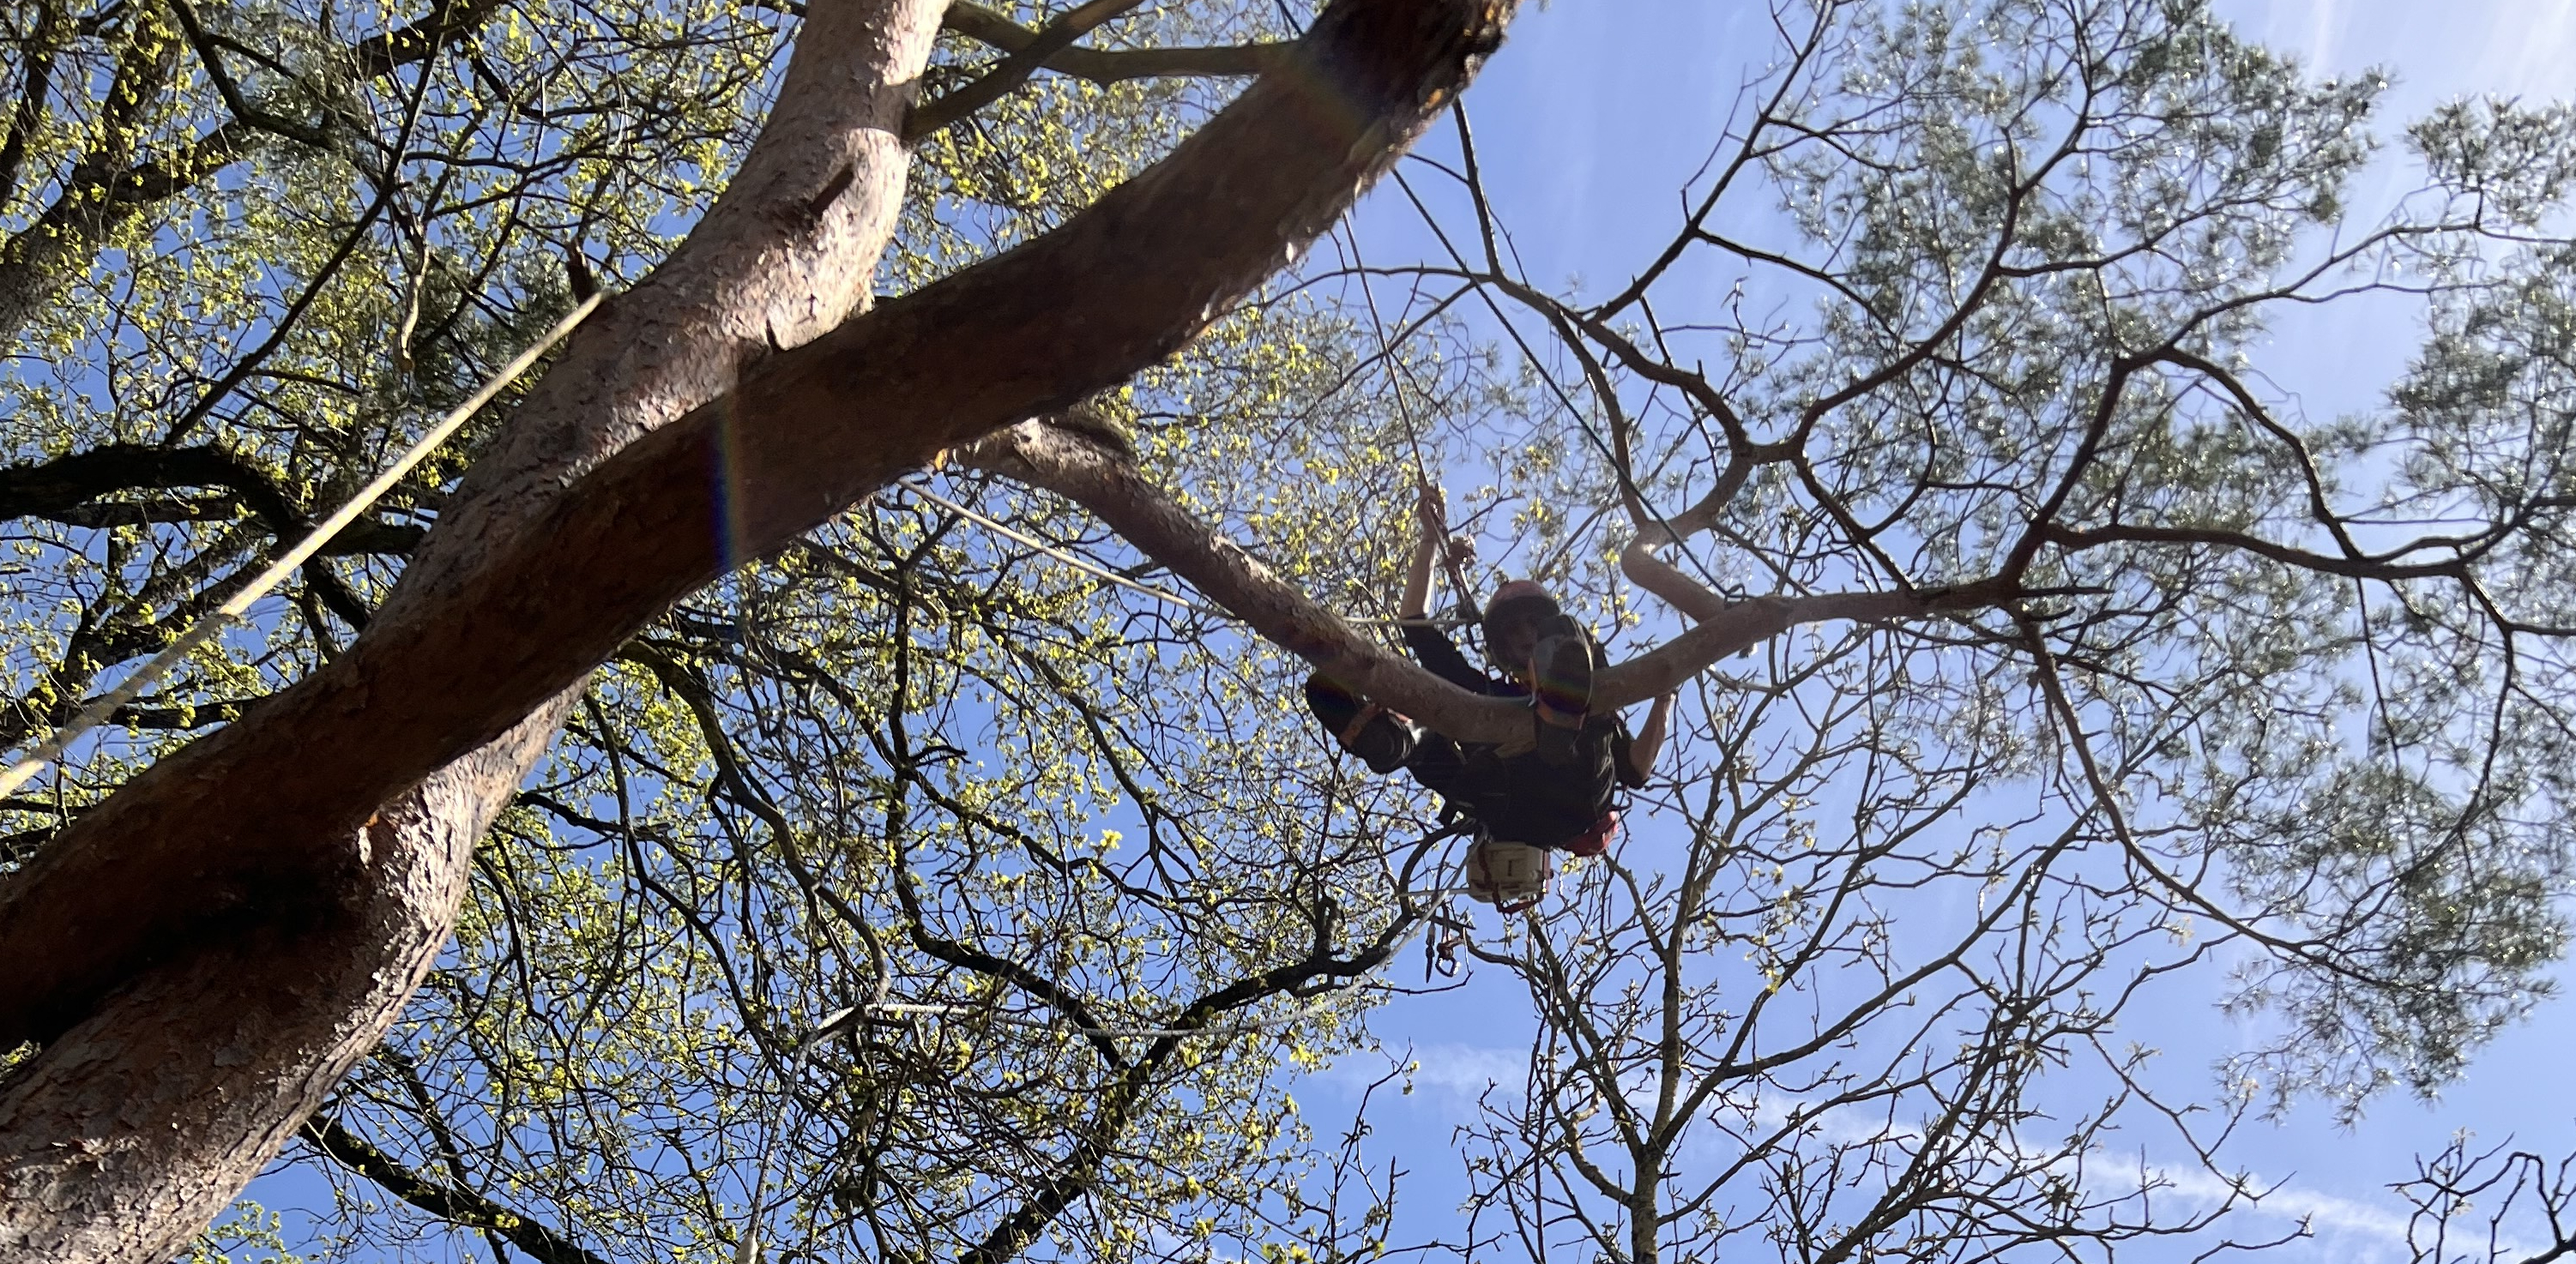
pixel 2527 52
pixel 1469 1070
pixel 2351 1222
pixel 2325 26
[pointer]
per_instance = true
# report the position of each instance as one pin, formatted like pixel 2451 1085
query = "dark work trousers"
pixel 1520 797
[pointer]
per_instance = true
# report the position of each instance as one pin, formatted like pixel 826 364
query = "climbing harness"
pixel 1596 840
pixel 205 629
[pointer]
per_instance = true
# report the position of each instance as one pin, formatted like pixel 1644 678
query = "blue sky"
pixel 1597 112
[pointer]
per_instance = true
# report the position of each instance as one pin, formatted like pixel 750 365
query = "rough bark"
pixel 301 867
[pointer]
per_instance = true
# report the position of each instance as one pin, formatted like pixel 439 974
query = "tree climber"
pixel 1553 790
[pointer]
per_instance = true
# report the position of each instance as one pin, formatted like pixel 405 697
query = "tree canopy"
pixel 940 863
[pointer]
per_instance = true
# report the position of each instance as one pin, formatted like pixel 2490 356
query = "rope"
pixel 1460 589
pixel 203 630
pixel 1060 555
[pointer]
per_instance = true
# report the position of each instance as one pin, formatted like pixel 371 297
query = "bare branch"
pixel 447 1202
pixel 1115 65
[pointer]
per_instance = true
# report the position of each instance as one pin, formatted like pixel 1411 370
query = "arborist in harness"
pixel 1554 790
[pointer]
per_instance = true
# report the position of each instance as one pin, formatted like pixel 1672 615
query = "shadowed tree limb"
pixel 56 489
pixel 64 489
pixel 1114 65
pixel 1120 495
pixel 448 1203
pixel 1014 70
pixel 452 20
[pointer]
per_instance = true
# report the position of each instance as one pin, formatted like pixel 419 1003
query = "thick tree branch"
pixel 235 99
pixel 1014 70
pixel 67 488
pixel 1047 457
pixel 448 1203
pixel 365 537
pixel 451 21
pixel 54 489
pixel 229 1010
pixel 2079 539
pixel 49 32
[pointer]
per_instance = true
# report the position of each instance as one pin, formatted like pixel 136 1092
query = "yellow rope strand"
pixel 198 633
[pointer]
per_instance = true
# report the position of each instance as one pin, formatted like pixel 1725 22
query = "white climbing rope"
pixel 204 629
pixel 1080 564
pixel 1462 591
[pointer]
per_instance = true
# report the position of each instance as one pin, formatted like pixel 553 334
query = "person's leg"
pixel 1379 736
pixel 1561 686
pixel 1334 706
pixel 1443 769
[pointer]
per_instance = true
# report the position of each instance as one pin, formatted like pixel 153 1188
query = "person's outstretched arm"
pixel 1433 517
pixel 1650 739
pixel 1431 646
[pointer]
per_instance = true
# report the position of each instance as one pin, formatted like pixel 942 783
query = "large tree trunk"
pixel 206 952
